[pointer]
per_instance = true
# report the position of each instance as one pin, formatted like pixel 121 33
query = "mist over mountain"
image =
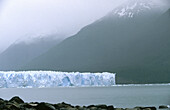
pixel 25 50
pixel 1 51
pixel 132 40
pixel 20 18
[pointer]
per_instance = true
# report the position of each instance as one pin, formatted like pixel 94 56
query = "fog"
pixel 31 18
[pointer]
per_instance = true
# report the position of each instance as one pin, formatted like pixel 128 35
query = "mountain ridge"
pixel 133 47
pixel 122 46
pixel 21 52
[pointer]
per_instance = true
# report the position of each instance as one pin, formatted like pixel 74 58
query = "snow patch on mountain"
pixel 133 7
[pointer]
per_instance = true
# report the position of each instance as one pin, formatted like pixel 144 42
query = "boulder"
pixel 118 109
pixel 29 105
pixel 101 109
pixel 45 106
pixel 1 106
pixel 1 101
pixel 93 108
pixel 81 108
pixel 164 106
pixel 90 106
pixel 152 108
pixel 110 107
pixel 16 99
pixel 101 106
pixel 132 109
pixel 68 109
pixel 11 107
pixel 63 105
pixel 146 108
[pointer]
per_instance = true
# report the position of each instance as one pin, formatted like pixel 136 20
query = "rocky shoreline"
pixel 17 103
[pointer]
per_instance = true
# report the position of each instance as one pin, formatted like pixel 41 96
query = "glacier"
pixel 40 79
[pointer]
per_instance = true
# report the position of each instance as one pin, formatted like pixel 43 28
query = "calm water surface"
pixel 119 96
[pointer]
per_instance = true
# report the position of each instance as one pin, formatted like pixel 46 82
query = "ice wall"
pixel 30 79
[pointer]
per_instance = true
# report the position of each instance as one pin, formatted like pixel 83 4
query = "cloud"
pixel 20 18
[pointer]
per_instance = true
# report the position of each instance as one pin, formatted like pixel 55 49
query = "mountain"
pixel 24 50
pixel 0 51
pixel 132 40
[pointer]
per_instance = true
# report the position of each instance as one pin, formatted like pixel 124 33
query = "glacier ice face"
pixel 38 79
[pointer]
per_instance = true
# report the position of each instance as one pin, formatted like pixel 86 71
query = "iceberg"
pixel 39 79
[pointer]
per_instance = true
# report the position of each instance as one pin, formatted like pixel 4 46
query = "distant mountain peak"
pixel 135 7
pixel 33 38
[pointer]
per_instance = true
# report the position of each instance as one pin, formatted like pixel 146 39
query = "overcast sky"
pixel 23 18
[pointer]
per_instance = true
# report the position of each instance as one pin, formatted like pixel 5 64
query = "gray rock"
pixel 45 106
pixel 81 108
pixel 29 109
pixel 72 109
pixel 101 106
pixel 118 109
pixel 110 107
pixel 93 108
pixel 68 109
pixel 1 106
pixel 146 108
pixel 101 109
pixel 11 107
pixel 63 105
pixel 29 105
pixel 132 109
pixel 90 106
pixel 164 106
pixel 152 108
pixel 1 101
pixel 62 108
pixel 16 99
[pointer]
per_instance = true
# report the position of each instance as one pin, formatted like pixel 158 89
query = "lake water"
pixel 119 96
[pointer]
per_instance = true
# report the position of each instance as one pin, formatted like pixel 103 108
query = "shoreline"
pixel 116 85
pixel 16 103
